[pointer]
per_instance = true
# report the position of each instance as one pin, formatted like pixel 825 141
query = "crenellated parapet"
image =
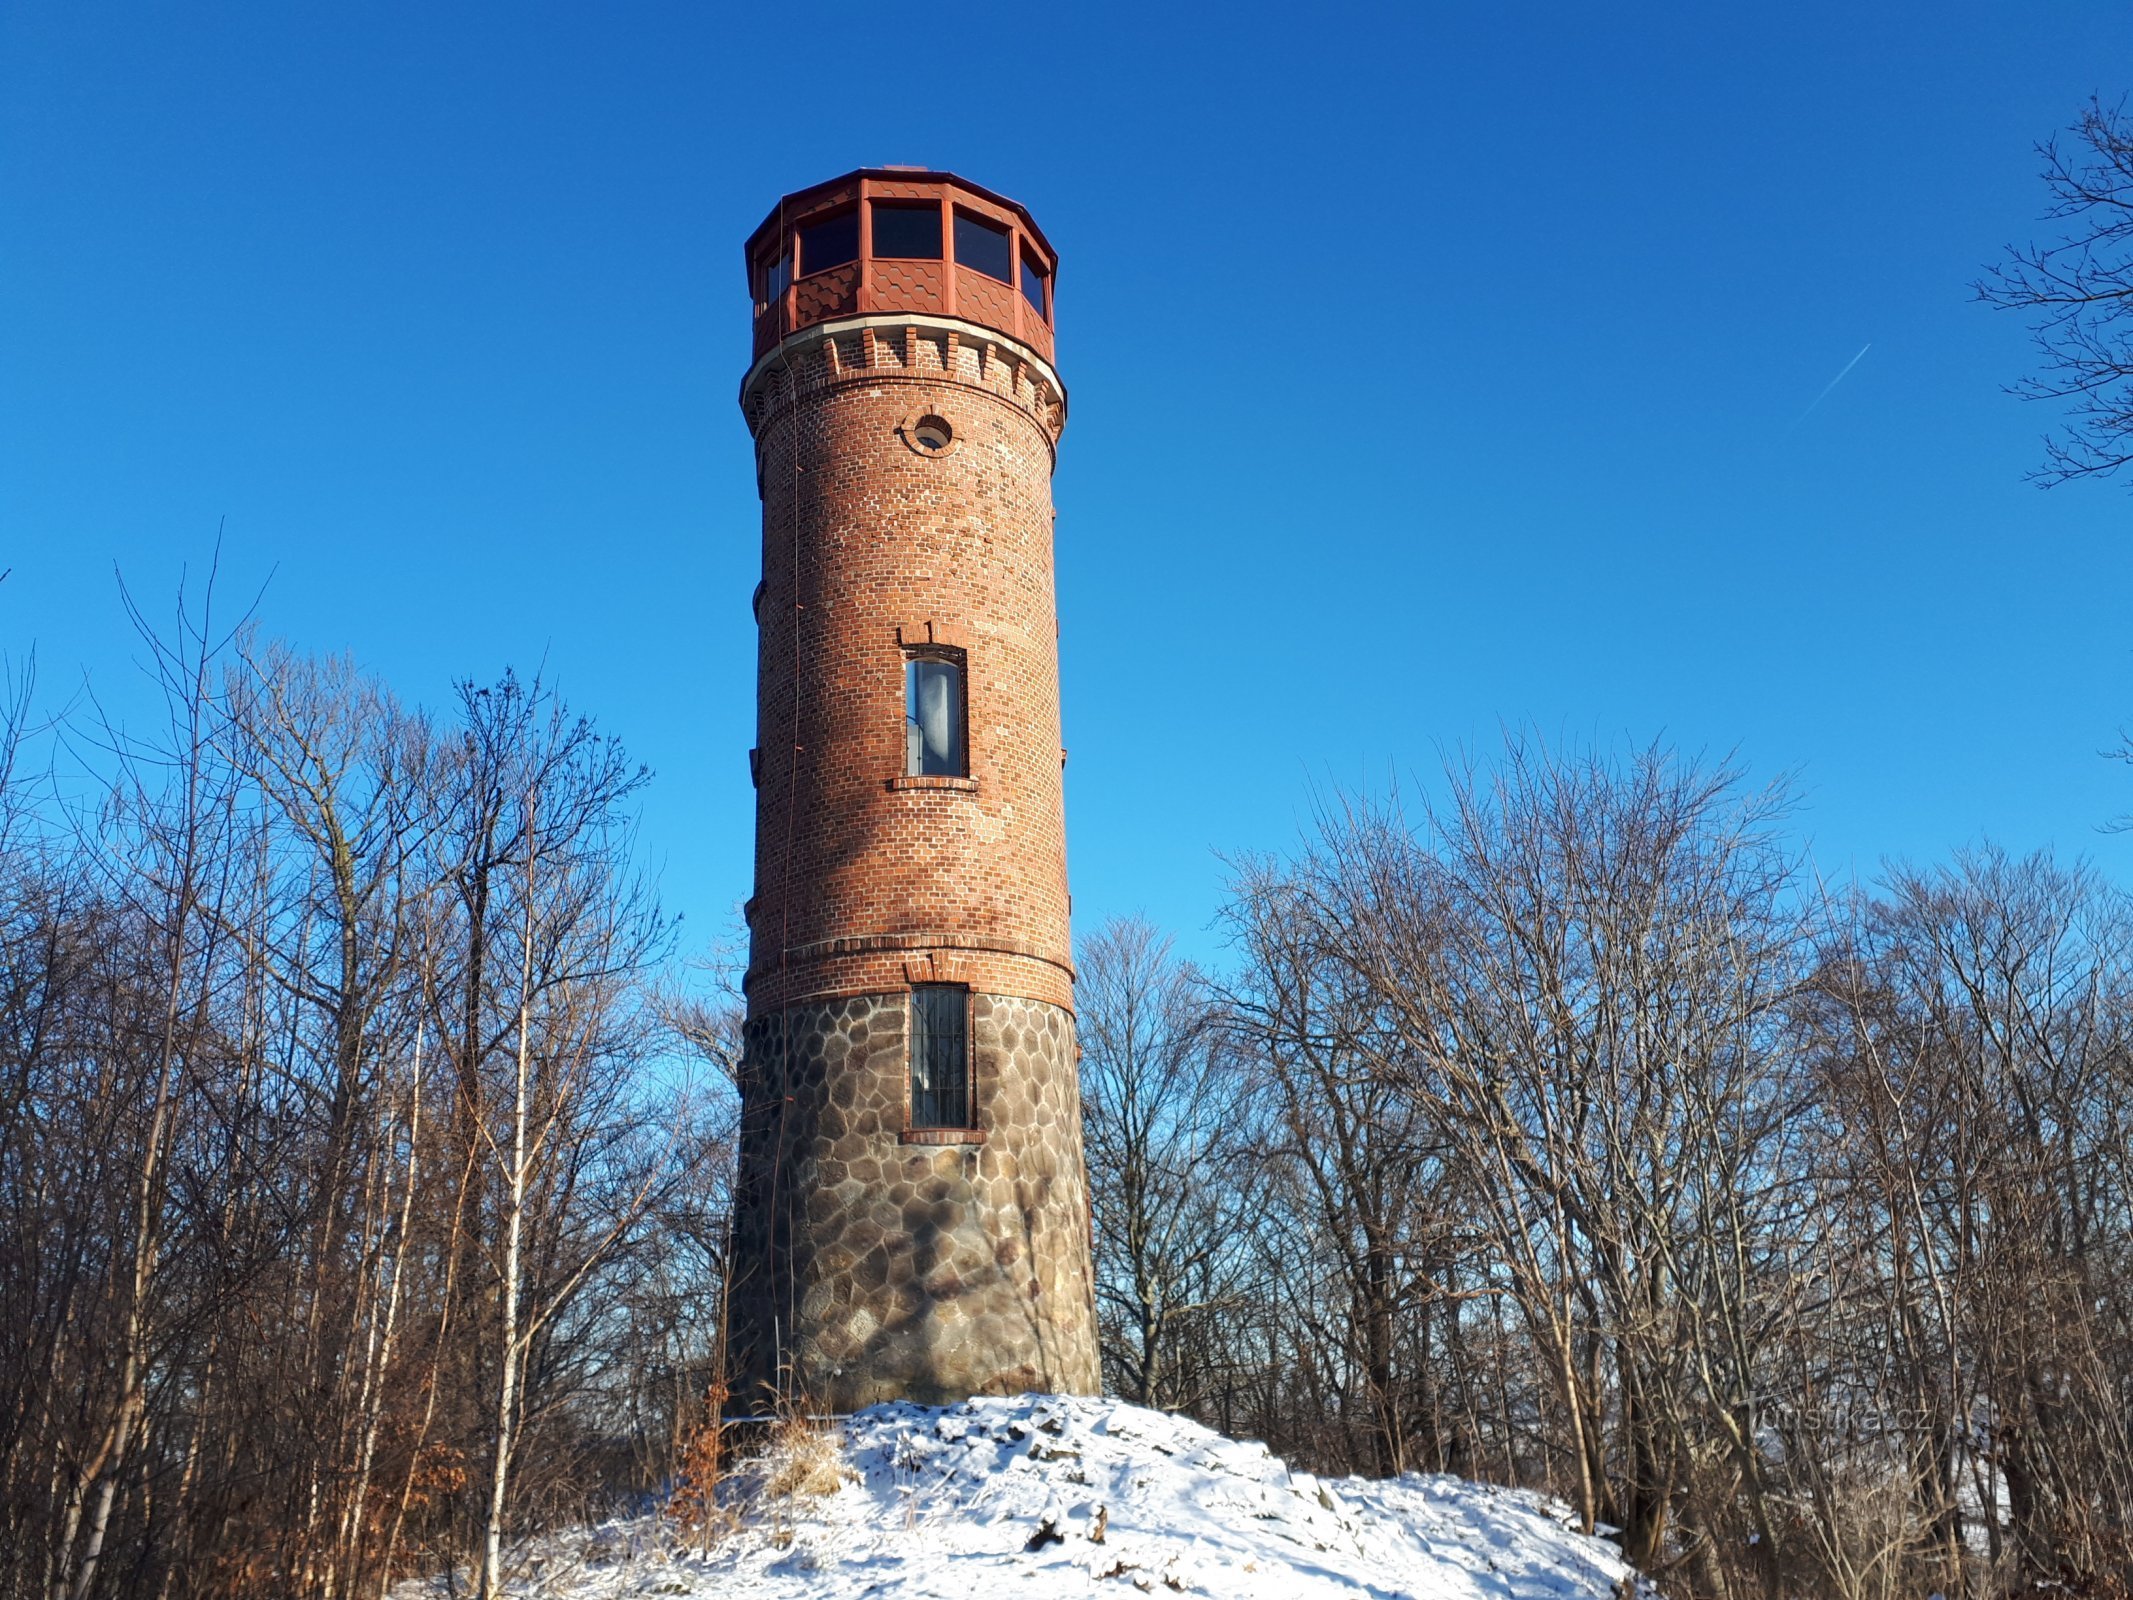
pixel 902 349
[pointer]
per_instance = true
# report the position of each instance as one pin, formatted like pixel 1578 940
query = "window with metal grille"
pixel 940 1057
pixel 933 719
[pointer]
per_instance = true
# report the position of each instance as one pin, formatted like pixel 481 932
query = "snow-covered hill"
pixel 1044 1497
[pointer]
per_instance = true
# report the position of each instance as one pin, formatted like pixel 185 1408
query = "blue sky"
pixel 1432 369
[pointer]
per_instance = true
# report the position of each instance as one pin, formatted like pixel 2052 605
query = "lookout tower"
pixel 911 1219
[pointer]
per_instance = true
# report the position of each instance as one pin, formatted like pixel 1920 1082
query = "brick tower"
pixel 911 1220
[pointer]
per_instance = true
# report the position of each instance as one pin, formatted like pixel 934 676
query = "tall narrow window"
pixel 933 719
pixel 1033 276
pixel 776 275
pixel 940 1057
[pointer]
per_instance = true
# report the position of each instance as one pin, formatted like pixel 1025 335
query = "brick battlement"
pixel 900 349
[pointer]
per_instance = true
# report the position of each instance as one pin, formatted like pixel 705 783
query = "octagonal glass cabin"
pixel 890 239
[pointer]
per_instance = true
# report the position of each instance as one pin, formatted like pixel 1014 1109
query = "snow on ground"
pixel 1044 1497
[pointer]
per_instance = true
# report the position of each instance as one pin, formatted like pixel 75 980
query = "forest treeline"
pixel 1566 1131
pixel 364 1165
pixel 354 1199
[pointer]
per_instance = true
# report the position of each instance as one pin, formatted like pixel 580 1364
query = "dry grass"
pixel 804 1459
pixel 696 1506
pixel 724 1485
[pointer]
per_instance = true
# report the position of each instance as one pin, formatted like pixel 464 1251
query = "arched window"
pixel 934 718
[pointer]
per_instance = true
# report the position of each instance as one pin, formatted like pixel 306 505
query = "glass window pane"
pixel 940 1057
pixel 984 248
pixel 1033 284
pixel 829 244
pixel 912 233
pixel 776 276
pixel 933 719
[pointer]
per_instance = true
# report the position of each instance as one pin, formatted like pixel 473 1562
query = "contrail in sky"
pixel 1824 395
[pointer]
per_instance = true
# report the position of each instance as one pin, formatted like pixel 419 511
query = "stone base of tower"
pixel 872 1266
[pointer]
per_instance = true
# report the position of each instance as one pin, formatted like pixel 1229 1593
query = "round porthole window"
pixel 932 434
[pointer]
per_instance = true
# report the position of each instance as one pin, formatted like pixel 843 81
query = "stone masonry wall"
pixel 886 1269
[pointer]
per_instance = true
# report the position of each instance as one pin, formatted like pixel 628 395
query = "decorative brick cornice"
pixel 873 943
pixel 903 349
pixel 890 963
pixel 1003 987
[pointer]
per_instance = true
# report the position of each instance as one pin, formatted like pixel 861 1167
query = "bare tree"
pixel 1360 1162
pixel 548 927
pixel 1978 1054
pixel 172 839
pixel 1535 1054
pixel 2079 293
pixel 295 1298
pixel 1165 1121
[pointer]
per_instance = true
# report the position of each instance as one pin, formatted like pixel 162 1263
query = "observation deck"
pixel 888 241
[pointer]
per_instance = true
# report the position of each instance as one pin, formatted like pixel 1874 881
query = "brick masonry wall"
pixel 869 546
pixel 874 1266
